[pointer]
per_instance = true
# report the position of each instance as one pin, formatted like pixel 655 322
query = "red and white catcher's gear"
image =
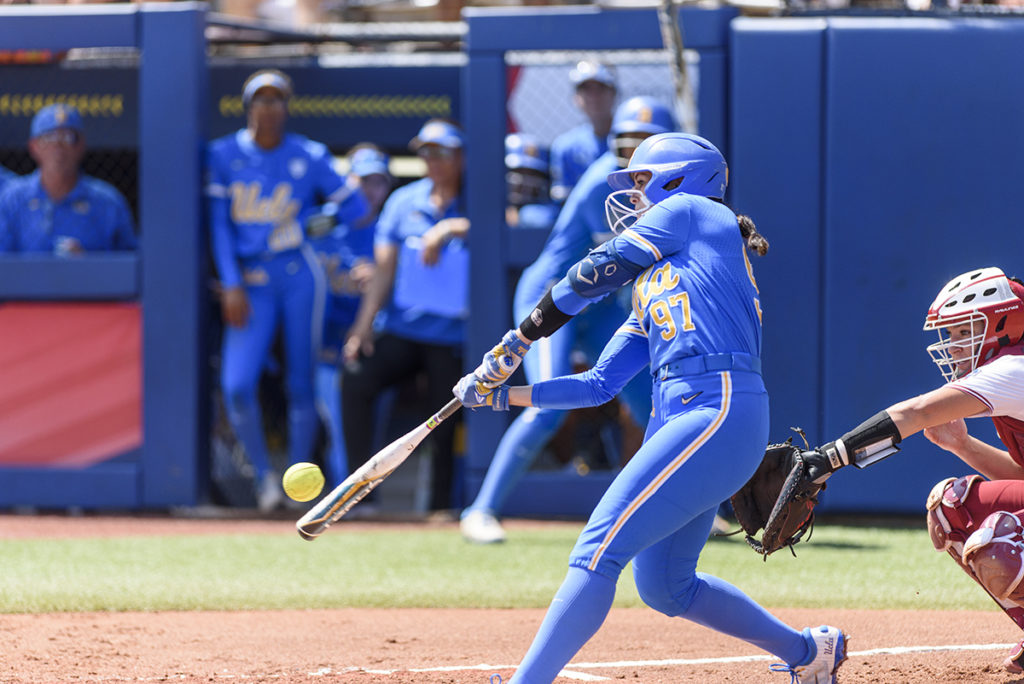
pixel 993 552
pixel 949 523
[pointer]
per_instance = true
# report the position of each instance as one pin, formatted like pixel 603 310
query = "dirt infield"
pixel 401 646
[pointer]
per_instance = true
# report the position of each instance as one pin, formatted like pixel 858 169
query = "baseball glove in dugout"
pixel 780 497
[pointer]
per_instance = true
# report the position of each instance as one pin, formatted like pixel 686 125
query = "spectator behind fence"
pixel 412 318
pixel 346 254
pixel 573 151
pixel 57 209
pixel 527 183
pixel 261 182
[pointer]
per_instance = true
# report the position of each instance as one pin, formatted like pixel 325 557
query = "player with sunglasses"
pixel 58 209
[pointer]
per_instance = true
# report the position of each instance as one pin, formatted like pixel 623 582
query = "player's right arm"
pixel 625 355
pixel 234 301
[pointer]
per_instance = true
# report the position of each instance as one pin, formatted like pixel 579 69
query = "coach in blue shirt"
pixel 412 317
pixel 57 209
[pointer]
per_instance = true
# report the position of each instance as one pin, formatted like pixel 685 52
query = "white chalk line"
pixel 573 673
pixel 587 677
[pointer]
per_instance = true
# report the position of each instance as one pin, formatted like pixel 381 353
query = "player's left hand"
pixel 501 362
pixel 473 394
pixel 950 436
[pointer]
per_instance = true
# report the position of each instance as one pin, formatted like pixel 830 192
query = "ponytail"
pixel 756 242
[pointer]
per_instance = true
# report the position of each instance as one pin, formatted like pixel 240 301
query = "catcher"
pixel 979 317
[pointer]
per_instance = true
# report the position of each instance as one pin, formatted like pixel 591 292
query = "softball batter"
pixel 696 320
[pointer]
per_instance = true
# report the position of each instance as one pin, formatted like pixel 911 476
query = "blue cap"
pixel 523 151
pixel 367 161
pixel 438 132
pixel 55 116
pixel 266 79
pixel 591 71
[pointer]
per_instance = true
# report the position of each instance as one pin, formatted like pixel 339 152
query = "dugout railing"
pixel 163 278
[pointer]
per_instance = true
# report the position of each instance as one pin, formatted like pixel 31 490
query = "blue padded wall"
pixel 917 161
pixel 775 177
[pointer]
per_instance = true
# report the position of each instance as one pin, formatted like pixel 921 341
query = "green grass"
pixel 843 566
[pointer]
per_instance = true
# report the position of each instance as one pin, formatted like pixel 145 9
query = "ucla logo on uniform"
pixel 297 167
pixel 237 165
pixel 80 207
pixel 33 204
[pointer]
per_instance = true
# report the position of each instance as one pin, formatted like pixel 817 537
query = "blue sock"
pixel 724 608
pixel 576 613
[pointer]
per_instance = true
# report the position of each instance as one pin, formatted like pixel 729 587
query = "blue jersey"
pixel 258 197
pixel 581 224
pixel 696 297
pixel 699 296
pixel 93 213
pixel 571 154
pixel 408 213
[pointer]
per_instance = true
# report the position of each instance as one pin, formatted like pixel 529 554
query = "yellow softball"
pixel 303 481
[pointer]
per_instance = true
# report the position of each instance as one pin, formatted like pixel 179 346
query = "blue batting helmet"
pixel 642 115
pixel 523 151
pixel 678 162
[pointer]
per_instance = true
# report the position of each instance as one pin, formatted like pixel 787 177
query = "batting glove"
pixel 473 394
pixel 501 362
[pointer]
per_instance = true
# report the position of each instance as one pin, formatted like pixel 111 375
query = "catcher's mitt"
pixel 780 498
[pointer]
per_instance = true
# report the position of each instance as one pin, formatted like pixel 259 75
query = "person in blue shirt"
pixel 57 209
pixel 346 254
pixel 261 182
pixel 581 225
pixel 696 323
pixel 527 183
pixel 412 316
pixel 573 151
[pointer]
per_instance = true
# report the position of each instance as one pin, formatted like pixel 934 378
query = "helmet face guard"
pixel 975 315
pixel 956 356
pixel 620 210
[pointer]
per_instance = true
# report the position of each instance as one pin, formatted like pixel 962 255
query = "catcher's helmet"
pixel 635 119
pixel 526 169
pixel 677 162
pixel 975 314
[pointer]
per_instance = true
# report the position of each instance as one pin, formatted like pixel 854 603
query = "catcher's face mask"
pixel 976 314
pixel 956 353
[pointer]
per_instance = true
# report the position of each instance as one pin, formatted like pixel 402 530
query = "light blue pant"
pixel 658 513
pixel 290 296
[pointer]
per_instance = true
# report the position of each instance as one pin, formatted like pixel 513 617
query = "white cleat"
pixel 480 527
pixel 830 653
pixel 270 495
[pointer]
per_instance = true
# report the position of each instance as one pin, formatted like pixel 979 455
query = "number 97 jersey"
pixel 702 298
